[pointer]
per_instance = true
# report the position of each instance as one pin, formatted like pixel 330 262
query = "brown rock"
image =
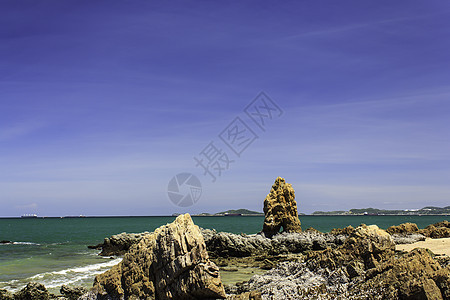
pixel 415 275
pixel 311 229
pixel 6 295
pixel 280 209
pixel 366 248
pixel 170 263
pixel 436 231
pixel 33 290
pixel 405 228
pixel 253 295
pixel 345 231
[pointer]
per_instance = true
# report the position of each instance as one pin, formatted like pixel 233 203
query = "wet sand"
pixel 438 246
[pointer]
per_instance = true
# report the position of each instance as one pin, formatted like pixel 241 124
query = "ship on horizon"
pixel 29 216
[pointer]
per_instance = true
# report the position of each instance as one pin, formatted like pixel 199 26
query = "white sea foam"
pixel 76 275
pixel 24 243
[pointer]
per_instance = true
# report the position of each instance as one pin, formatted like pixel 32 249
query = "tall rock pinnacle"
pixel 280 209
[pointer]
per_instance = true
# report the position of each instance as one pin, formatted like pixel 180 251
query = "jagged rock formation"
pixel 280 209
pixel 405 228
pixel 6 295
pixel 72 293
pixel 33 290
pixel 225 244
pixel 438 230
pixel 409 232
pixel 364 267
pixel 170 263
pixel 118 244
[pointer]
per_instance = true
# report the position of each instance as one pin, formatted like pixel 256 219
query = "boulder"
pixel 405 228
pixel 32 291
pixel 436 231
pixel 343 231
pixel 280 209
pixel 6 295
pixel 118 244
pixel 72 293
pixel 170 263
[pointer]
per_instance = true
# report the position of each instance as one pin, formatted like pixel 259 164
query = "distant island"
pixel 233 212
pixel 428 210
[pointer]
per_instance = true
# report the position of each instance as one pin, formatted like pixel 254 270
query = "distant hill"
pixel 428 210
pixel 241 211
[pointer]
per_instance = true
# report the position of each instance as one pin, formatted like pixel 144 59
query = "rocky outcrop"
pixel 6 295
pixel 406 233
pixel 224 244
pixel 410 233
pixel 72 293
pixel 253 295
pixel 343 231
pixel 280 209
pixel 364 267
pixel 407 238
pixel 170 263
pixel 33 291
pixel 438 230
pixel 118 244
pixel 405 228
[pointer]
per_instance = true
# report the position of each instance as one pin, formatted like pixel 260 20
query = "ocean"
pixel 53 251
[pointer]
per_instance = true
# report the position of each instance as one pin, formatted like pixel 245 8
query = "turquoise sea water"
pixel 54 251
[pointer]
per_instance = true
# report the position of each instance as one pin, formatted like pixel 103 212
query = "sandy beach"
pixel 438 246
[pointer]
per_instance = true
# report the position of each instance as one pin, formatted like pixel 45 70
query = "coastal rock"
pixel 72 293
pixel 6 295
pixel 225 244
pixel 436 231
pixel 368 246
pixel 119 244
pixel 170 263
pixel 364 267
pixel 405 228
pixel 416 275
pixel 344 231
pixel 408 238
pixel 33 291
pixel 253 295
pixel 280 209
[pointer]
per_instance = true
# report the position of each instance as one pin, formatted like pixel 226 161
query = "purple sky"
pixel 103 102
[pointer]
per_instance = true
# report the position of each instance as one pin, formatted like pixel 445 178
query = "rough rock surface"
pixel 280 209
pixel 118 244
pixel 253 295
pixel 364 267
pixel 438 230
pixel 407 238
pixel 170 263
pixel 405 228
pixel 72 293
pixel 6 295
pixel 225 244
pixel 33 290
